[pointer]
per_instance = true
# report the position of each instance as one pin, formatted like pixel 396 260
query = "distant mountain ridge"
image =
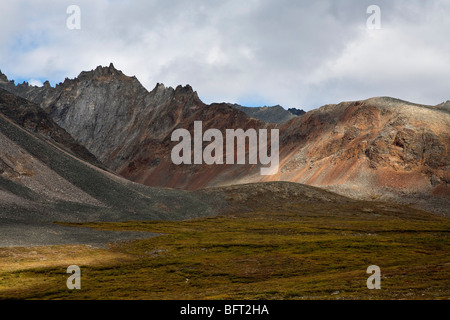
pixel 275 114
pixel 379 148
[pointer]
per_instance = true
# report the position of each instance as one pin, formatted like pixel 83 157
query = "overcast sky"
pixel 295 53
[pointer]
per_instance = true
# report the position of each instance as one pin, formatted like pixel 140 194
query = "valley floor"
pixel 295 252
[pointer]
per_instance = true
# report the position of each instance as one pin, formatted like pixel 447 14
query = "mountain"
pixel 296 112
pixel 275 114
pixel 380 148
pixel 46 176
pixel 129 129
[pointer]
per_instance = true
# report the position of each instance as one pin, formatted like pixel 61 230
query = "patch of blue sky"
pixel 254 101
pixel 32 82
pixel 54 78
pixel 29 41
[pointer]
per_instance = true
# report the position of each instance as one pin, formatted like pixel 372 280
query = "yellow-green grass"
pixel 294 253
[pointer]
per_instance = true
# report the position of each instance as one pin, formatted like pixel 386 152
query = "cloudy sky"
pixel 295 53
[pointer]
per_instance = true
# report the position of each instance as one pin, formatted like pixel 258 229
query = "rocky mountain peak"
pixel 102 73
pixel 297 112
pixel 3 77
pixel 160 86
pixel 185 90
pixel 188 92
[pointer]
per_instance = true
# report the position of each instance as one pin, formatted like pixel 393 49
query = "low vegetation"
pixel 298 252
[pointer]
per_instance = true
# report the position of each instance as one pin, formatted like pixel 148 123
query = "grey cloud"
pixel 295 53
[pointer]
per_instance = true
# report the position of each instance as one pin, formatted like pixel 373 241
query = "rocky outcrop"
pixel 296 112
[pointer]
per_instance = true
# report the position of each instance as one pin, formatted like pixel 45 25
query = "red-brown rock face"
pixel 378 148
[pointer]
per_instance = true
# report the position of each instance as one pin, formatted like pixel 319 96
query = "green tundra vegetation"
pixel 292 252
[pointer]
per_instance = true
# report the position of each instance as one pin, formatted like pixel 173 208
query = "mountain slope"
pixel 129 129
pixel 34 119
pixel 42 181
pixel 380 148
pixel 377 148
